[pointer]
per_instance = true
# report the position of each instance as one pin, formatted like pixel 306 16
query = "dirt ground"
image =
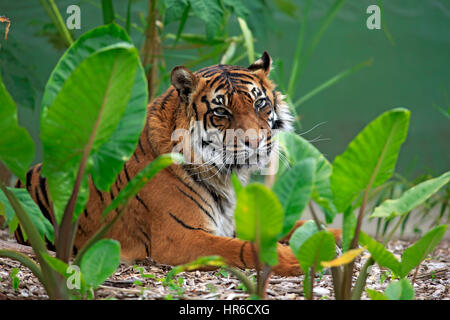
pixel 145 281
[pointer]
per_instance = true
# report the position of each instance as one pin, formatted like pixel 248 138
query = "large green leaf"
pixel 210 11
pixel 174 10
pixel 16 146
pixel 294 190
pixel 317 248
pixel 370 158
pixel 259 218
pixel 108 160
pixel 42 224
pixel 100 261
pixel 416 253
pixel 82 117
pixel 379 253
pixel 400 290
pixel 237 6
pixel 348 228
pixel 411 198
pixel 302 234
pixel 297 149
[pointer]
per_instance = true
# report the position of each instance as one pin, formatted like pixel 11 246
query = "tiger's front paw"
pixel 287 262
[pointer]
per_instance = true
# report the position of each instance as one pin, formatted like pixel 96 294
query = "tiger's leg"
pixel 238 253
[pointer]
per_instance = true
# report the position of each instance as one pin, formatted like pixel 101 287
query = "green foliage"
pixel 311 247
pixel 100 261
pixel 94 107
pixel 411 198
pixel 42 224
pixel 370 158
pixel 259 219
pixel 297 149
pixel 398 290
pixel 210 11
pixel 348 228
pixel 379 253
pixel 98 88
pixel 16 147
pixel 294 189
pixel 411 257
pixel 110 156
pixel 317 248
pixel 415 254
pixel 302 234
pixel 15 281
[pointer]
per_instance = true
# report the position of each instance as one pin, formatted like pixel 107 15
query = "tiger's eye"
pixel 220 112
pixel 260 103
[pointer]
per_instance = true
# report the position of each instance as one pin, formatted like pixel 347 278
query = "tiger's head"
pixel 233 114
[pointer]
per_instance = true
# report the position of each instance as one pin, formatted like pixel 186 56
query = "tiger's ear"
pixel 184 81
pixel 262 64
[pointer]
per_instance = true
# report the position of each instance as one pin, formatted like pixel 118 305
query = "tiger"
pixel 186 210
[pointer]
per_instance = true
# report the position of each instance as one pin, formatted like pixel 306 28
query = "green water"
pixel 414 72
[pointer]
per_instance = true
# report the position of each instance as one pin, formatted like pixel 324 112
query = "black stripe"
pixel 141 147
pixel 126 172
pixel 166 97
pixel 100 195
pixel 212 82
pixel 198 204
pixel 147 238
pixel 193 191
pixel 29 176
pixel 194 106
pixel 117 187
pixel 86 213
pixel 43 189
pixel 185 225
pixel 136 157
pixel 142 202
pixel 41 205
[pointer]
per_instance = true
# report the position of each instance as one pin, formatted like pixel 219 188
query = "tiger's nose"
pixel 252 142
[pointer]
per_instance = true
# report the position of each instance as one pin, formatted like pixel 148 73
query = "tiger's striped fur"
pixel 185 212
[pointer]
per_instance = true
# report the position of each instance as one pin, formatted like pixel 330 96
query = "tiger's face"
pixel 233 114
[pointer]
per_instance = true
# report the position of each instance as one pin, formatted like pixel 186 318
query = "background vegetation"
pixel 409 57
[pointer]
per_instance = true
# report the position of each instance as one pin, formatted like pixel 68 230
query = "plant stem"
pixel 415 274
pixel 336 274
pixel 108 11
pixel 361 280
pixel 27 262
pixel 399 222
pixel 151 49
pixel 313 213
pixel 50 279
pixel 312 271
pixel 98 235
pixel 243 278
pixel 53 12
